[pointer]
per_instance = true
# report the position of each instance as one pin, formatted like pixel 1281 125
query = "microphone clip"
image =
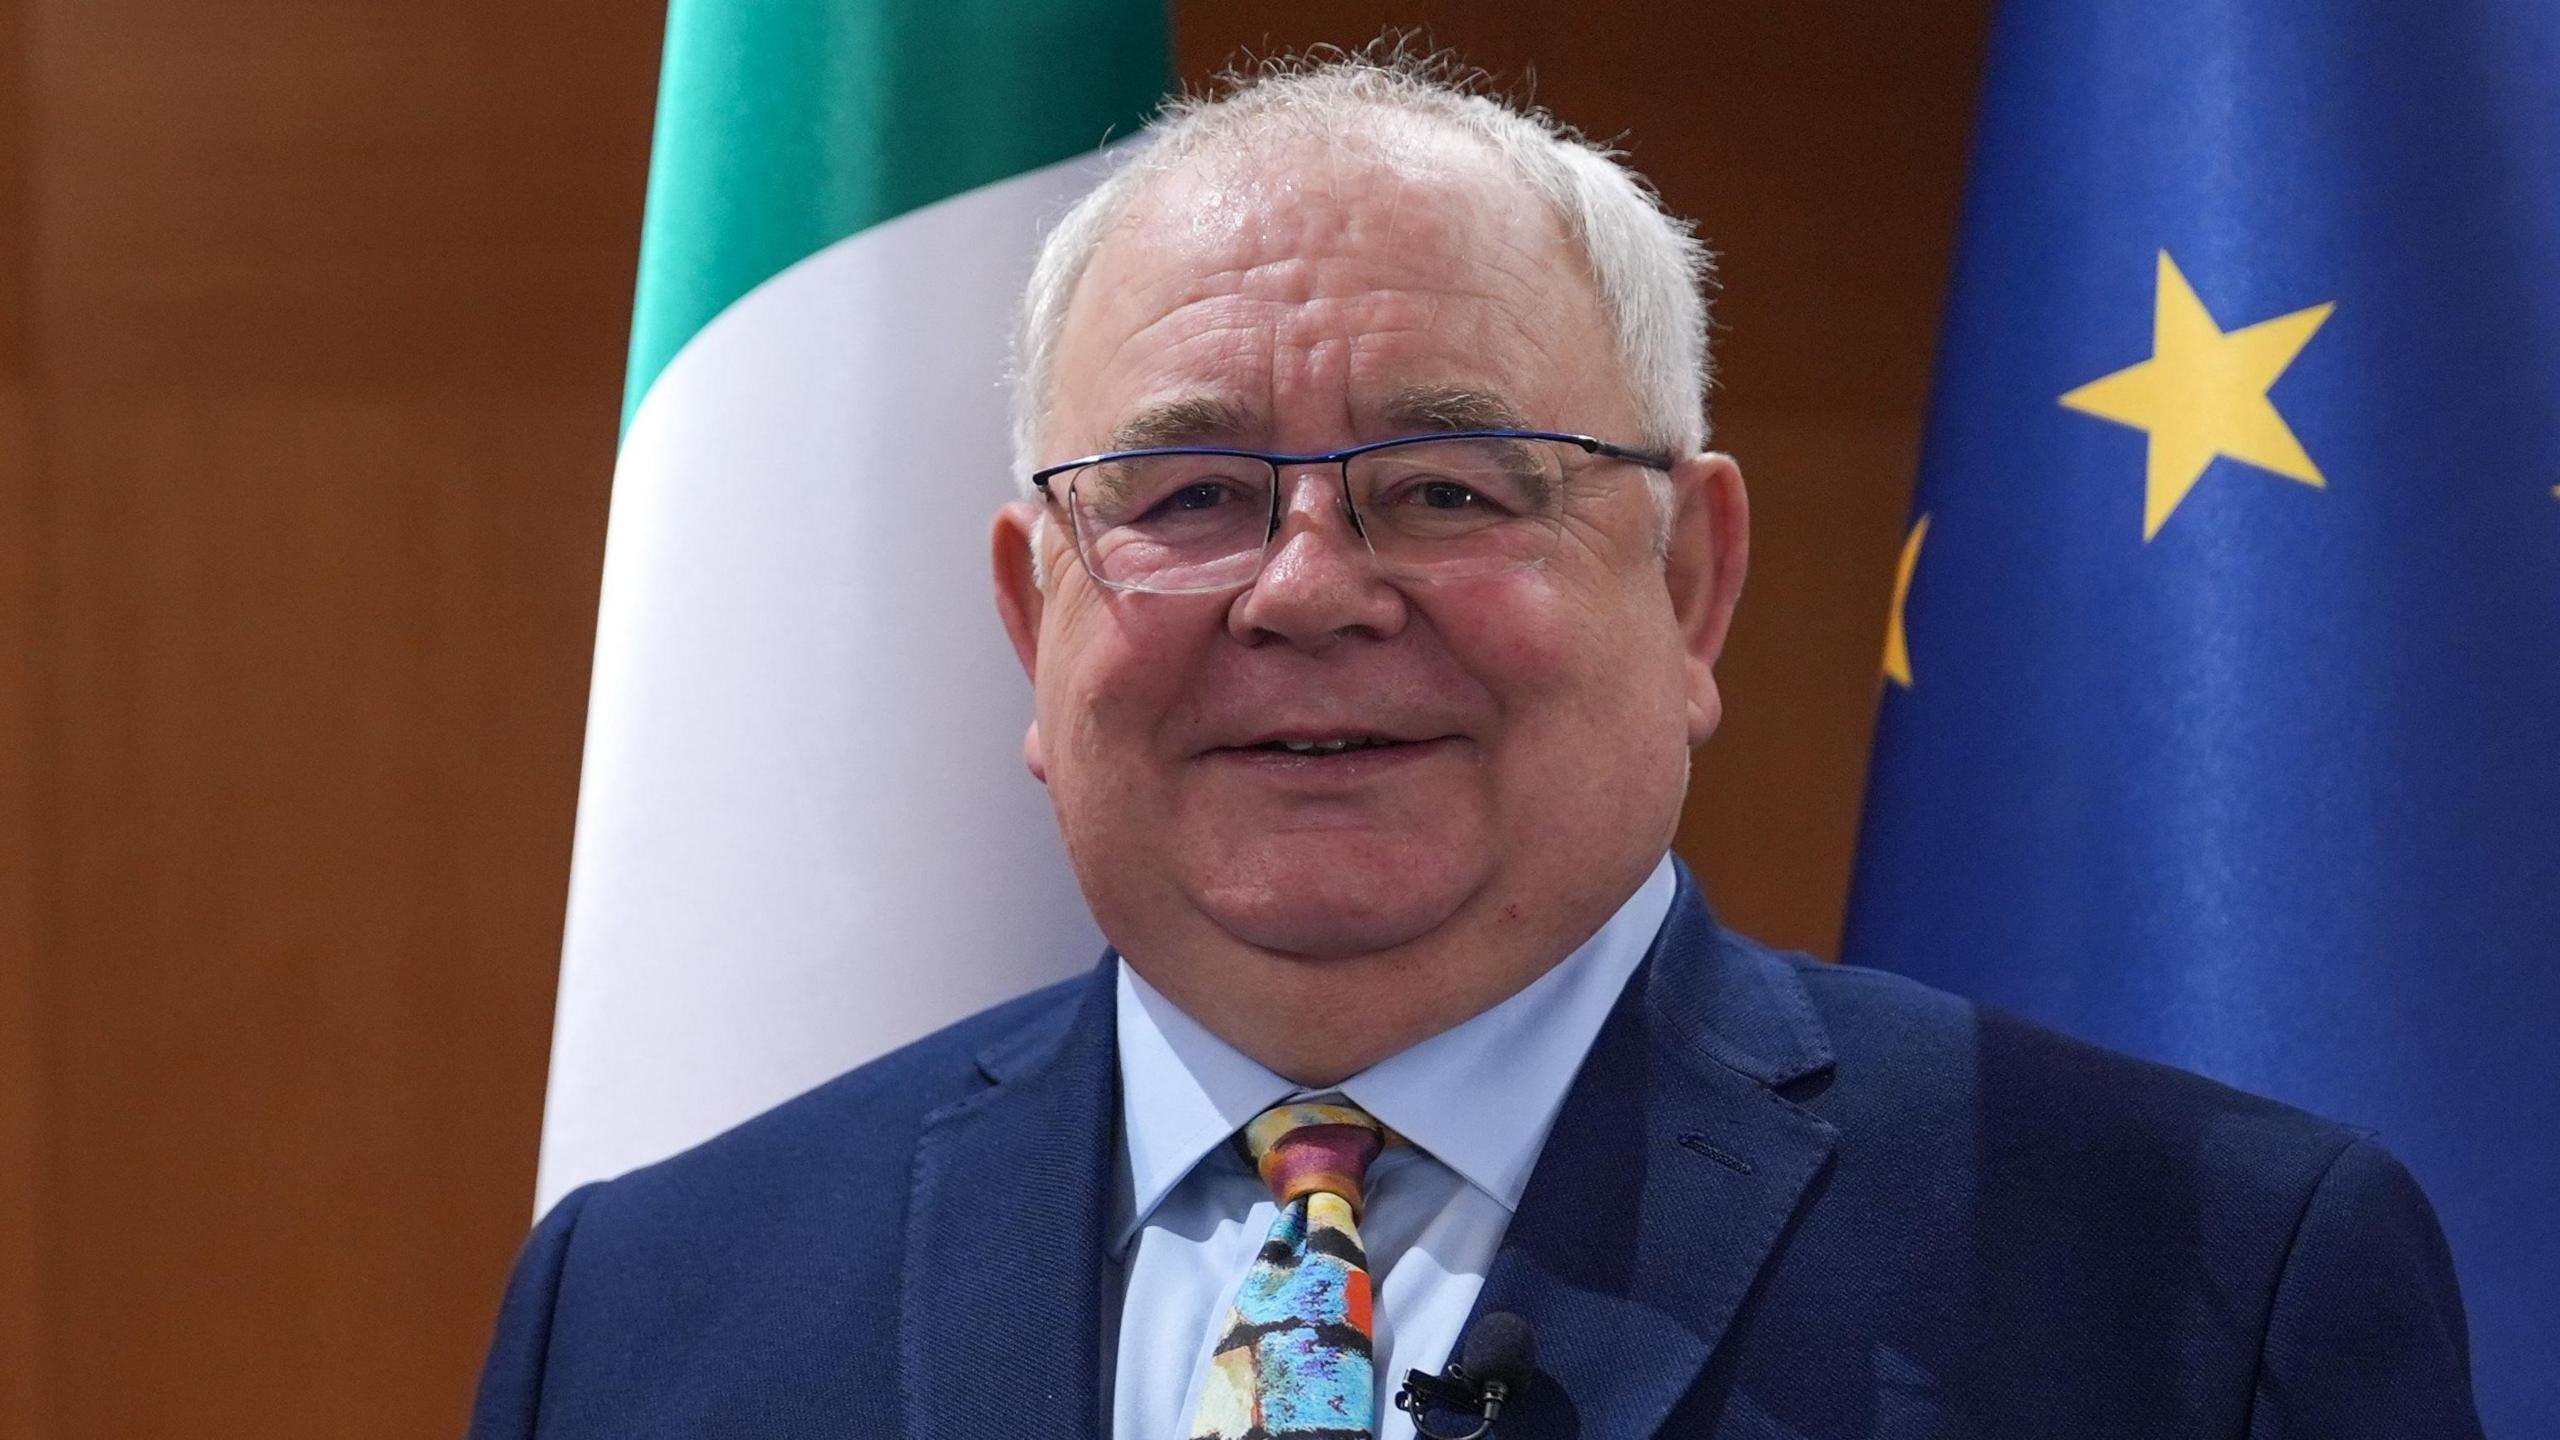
pixel 1451 1389
pixel 1496 1365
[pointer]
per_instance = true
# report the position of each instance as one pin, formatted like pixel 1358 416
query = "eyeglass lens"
pixel 1429 509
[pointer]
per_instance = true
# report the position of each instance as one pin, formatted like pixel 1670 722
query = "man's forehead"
pixel 1298 193
pixel 1385 146
pixel 1418 287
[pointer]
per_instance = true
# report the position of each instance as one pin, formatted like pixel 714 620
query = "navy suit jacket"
pixel 1784 1199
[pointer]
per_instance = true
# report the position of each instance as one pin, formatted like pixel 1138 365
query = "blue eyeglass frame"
pixel 1589 445
pixel 1341 459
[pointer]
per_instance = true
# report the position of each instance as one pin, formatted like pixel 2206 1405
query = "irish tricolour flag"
pixel 804 831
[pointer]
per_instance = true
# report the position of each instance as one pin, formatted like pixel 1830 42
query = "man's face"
pixel 1306 300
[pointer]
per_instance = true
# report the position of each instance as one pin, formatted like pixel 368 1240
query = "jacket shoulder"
pixel 2035 1078
pixel 868 1113
pixel 2114 1180
pixel 823 1172
pixel 684 1287
pixel 2170 1245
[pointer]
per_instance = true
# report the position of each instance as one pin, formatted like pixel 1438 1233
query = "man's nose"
pixel 1318 583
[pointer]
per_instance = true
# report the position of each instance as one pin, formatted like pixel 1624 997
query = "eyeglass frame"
pixel 1661 460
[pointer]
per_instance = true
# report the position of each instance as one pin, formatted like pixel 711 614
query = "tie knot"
pixel 1309 1149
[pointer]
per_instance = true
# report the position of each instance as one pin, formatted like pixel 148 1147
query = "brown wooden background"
pixel 312 316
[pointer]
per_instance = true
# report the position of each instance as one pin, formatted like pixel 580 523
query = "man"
pixel 1371 586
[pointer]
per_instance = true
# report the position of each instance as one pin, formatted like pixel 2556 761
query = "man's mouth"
pixel 1340 746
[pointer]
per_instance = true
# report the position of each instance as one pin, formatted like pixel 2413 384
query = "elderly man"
pixel 1371 584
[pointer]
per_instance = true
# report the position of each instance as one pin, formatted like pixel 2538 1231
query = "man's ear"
pixel 1709 549
pixel 1018 603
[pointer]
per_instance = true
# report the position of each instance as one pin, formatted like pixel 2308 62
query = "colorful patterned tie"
pixel 1294 1361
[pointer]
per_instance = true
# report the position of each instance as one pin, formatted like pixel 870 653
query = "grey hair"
pixel 1651 270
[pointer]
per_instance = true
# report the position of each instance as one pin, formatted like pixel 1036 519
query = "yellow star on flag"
pixel 2203 393
pixel 1897 642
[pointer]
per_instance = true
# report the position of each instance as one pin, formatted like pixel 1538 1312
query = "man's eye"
pixel 1198 497
pixel 1446 495
pixel 1440 497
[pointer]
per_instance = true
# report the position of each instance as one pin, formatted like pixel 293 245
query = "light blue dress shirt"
pixel 1188 1213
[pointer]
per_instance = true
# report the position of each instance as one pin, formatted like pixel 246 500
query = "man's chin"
pixel 1321 922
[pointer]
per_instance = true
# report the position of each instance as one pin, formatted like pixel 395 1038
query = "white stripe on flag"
pixel 805 835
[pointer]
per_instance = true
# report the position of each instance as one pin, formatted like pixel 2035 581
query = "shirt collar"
pixel 1479 1097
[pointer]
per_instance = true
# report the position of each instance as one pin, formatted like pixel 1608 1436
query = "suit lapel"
pixel 1674 1169
pixel 998 1322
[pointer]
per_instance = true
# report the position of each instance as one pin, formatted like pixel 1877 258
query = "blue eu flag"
pixel 2222 712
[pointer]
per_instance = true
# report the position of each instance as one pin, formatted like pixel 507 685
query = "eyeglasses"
pixel 1187 520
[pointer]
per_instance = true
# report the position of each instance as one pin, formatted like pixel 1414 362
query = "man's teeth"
pixel 1325 747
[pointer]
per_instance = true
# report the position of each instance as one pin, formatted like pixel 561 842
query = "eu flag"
pixel 2222 712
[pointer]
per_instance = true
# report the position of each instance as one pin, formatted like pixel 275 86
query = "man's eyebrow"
pixel 1190 420
pixel 1450 407
pixel 1216 419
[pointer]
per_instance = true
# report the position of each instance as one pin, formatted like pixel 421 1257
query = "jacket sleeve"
pixel 2367 1336
pixel 510 1398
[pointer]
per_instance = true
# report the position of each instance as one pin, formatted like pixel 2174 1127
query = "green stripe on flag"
pixel 786 125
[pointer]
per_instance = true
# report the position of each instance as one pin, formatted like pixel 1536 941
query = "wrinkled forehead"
pixel 1415 236
pixel 1391 187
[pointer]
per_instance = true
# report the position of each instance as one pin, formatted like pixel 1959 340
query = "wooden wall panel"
pixel 23 1172
pixel 327 656
pixel 1773 801
pixel 331 301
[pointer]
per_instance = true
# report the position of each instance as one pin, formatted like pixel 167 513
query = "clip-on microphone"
pixel 1500 1356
